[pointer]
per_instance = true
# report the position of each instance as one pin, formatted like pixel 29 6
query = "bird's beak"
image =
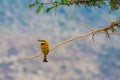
pixel 38 40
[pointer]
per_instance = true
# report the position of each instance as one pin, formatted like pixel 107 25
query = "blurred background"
pixel 20 28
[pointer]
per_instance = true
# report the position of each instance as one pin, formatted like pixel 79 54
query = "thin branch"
pixel 31 57
pixel 110 11
pixel 63 3
pixel 72 39
pixel 112 25
pixel 93 35
pixel 45 2
pixel 77 20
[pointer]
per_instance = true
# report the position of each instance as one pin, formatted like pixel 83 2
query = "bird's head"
pixel 42 42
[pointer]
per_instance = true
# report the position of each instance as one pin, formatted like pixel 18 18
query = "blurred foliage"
pixel 113 4
pixel 118 20
pixel 39 8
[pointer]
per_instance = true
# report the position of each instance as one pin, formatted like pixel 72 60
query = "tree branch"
pixel 77 20
pixel 110 27
pixel 31 57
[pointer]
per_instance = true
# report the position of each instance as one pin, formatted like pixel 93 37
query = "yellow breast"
pixel 44 47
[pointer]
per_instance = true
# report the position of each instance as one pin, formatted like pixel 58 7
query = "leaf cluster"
pixel 113 4
pixel 118 20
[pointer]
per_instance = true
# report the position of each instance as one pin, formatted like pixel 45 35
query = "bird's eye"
pixel 42 43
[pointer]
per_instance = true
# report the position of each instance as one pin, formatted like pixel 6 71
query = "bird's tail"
pixel 45 58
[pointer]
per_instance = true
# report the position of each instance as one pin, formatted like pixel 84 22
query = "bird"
pixel 44 48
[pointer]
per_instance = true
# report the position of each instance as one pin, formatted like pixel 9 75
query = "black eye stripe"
pixel 42 43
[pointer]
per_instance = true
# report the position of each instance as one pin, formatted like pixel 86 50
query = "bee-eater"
pixel 44 48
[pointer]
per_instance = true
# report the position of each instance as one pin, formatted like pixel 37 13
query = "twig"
pixel 93 35
pixel 77 20
pixel 72 39
pixel 31 57
pixel 112 25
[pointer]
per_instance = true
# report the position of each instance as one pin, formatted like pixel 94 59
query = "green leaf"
pixel 39 8
pixel 62 1
pixel 31 6
pixel 36 1
pixel 48 9
pixel 53 0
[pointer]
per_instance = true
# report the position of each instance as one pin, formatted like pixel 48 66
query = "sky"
pixel 21 27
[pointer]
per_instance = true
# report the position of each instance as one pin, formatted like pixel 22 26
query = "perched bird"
pixel 44 48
